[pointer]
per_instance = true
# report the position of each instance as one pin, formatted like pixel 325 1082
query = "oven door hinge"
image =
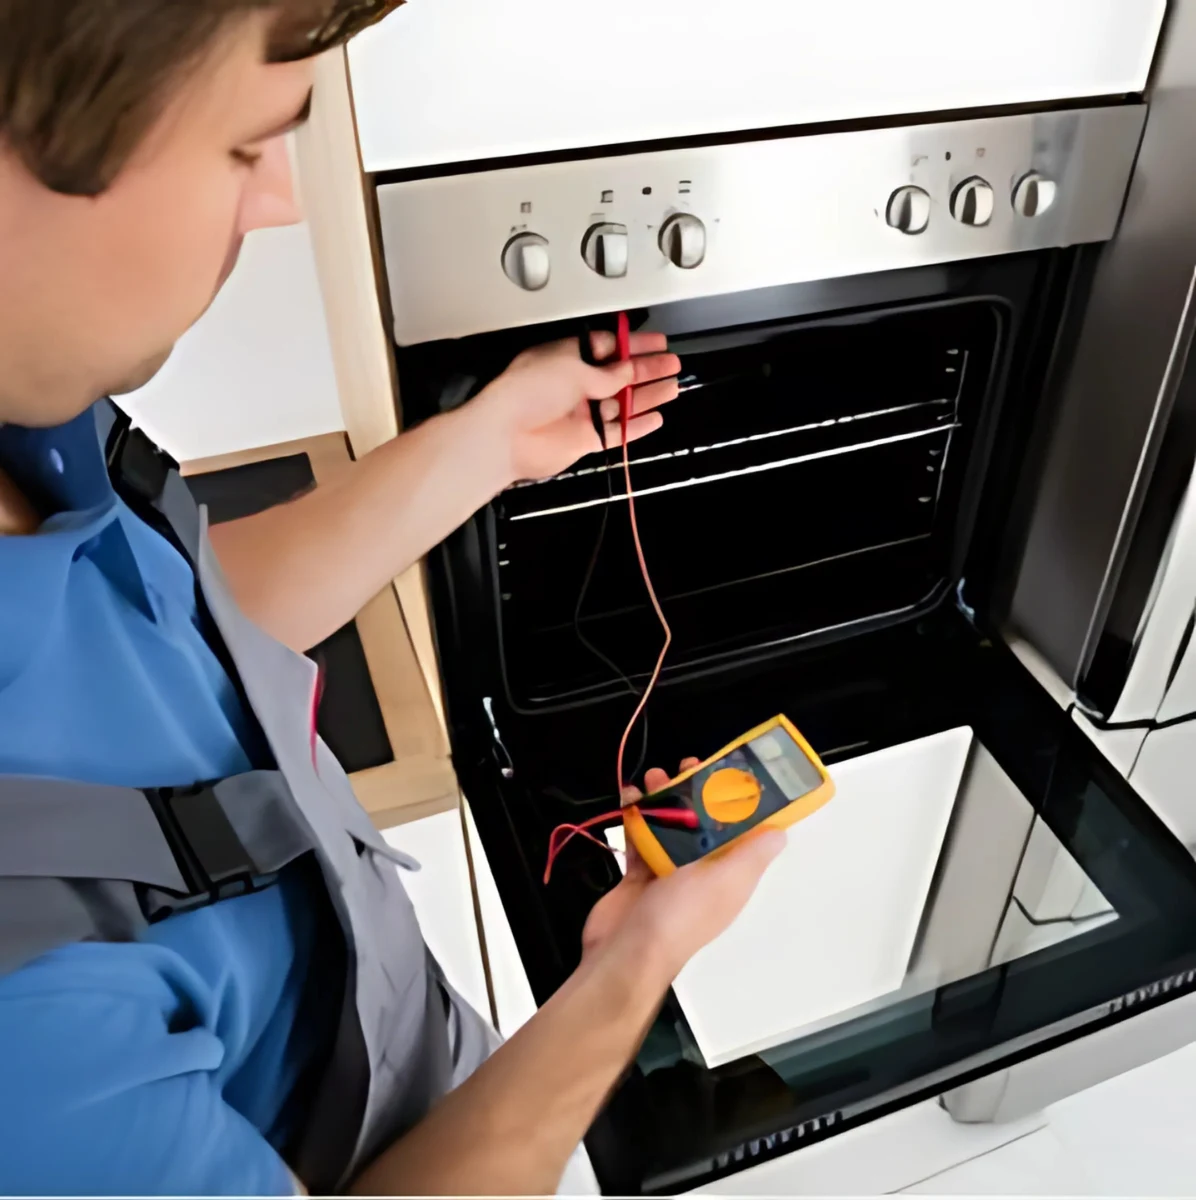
pixel 505 765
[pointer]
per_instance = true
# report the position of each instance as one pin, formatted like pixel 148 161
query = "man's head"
pixel 140 141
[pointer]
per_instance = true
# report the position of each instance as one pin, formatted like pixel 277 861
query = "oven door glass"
pixel 984 883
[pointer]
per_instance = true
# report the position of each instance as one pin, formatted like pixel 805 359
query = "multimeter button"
pixel 731 795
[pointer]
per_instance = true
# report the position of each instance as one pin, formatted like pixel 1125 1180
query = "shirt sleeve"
pixel 104 1091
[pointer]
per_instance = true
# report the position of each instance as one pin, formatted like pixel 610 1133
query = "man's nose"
pixel 270 196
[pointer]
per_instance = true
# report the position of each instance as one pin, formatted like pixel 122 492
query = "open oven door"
pixel 822 515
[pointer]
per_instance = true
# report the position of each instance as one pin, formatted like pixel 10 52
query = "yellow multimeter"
pixel 770 776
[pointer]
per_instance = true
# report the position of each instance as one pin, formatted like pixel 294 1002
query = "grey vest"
pixel 82 862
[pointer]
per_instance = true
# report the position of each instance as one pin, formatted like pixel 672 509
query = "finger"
pixel 653 395
pixel 632 795
pixel 656 779
pixel 601 382
pixel 650 367
pixel 644 400
pixel 604 344
pixel 637 428
pixel 688 764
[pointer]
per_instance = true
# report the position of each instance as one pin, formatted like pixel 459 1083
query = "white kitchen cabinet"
pixel 257 369
pixel 453 80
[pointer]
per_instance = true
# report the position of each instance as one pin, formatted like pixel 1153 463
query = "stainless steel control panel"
pixel 518 246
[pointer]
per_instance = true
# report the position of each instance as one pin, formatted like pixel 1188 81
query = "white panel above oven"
pixel 444 81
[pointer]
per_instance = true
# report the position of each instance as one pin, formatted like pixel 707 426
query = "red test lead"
pixel 626 402
pixel 563 834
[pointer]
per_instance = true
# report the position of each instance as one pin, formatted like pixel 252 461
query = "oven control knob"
pixel 909 210
pixel 605 250
pixel 683 241
pixel 972 203
pixel 525 261
pixel 1034 194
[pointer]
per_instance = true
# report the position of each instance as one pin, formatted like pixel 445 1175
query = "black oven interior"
pixel 829 514
pixel 810 481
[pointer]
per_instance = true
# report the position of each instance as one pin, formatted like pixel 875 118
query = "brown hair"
pixel 82 80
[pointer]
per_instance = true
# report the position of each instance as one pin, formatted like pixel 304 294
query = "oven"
pixel 881 323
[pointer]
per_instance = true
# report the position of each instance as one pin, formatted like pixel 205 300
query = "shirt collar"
pixel 62 469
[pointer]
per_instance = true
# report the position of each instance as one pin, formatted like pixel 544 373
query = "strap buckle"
pixel 214 863
pixel 135 463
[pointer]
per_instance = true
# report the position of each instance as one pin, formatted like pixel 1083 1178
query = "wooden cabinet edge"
pixel 328 454
pixel 333 191
pixel 412 590
pixel 399 792
pixel 409 711
pixel 336 198
pixel 396 638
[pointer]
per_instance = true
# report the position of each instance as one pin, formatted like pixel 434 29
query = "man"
pixel 285 1027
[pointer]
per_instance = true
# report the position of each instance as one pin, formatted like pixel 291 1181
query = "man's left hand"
pixel 540 405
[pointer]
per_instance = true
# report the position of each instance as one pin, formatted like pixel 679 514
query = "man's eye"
pixel 247 158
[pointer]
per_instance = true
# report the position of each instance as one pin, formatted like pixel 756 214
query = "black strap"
pixel 149 482
pixel 195 845
pixel 134 461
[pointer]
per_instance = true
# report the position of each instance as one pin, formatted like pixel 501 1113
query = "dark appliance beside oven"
pixel 831 514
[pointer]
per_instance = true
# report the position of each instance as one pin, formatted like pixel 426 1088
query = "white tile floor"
pixel 1130 1136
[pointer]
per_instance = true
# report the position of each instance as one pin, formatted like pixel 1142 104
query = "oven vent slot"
pixel 775 1141
pixel 1153 991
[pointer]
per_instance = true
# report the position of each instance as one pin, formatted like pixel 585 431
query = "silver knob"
pixel 1034 194
pixel 683 241
pixel 525 261
pixel 972 203
pixel 605 250
pixel 908 210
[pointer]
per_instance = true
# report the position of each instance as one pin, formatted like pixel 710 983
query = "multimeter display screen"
pixel 735 793
pixel 785 763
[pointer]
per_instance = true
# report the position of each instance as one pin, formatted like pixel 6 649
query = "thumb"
pixel 737 872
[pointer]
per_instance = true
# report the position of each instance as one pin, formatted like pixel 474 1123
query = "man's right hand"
pixel 676 916
pixel 511 1127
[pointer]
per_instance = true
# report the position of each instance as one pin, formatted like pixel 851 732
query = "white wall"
pixel 257 369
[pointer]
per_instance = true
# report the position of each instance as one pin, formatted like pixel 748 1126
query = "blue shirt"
pixel 180 1064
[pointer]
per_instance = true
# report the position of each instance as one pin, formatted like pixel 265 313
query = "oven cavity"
pixel 809 480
